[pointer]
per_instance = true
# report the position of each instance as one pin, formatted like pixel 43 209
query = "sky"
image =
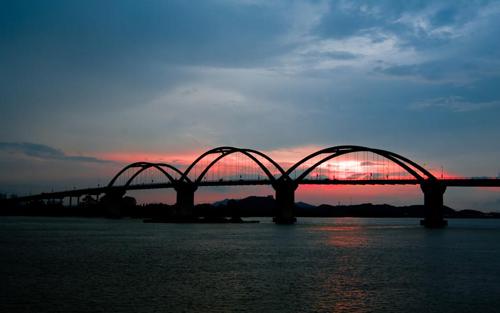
pixel 89 86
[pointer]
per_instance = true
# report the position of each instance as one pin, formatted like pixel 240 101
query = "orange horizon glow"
pixel 344 167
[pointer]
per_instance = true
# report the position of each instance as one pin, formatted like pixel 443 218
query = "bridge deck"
pixel 462 182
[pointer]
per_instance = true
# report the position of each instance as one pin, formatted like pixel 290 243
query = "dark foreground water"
pixel 318 265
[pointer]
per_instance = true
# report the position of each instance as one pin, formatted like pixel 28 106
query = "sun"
pixel 341 169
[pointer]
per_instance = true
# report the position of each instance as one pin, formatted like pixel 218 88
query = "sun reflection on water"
pixel 344 286
pixel 347 236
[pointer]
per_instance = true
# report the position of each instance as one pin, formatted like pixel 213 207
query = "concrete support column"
pixel 285 202
pixel 185 200
pixel 433 203
pixel 112 202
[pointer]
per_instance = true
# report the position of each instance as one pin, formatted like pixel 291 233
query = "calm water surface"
pixel 318 265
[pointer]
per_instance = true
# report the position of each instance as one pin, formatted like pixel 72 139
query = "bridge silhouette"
pixel 284 182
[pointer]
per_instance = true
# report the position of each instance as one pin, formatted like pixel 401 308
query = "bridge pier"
pixel 433 203
pixel 185 200
pixel 112 202
pixel 285 202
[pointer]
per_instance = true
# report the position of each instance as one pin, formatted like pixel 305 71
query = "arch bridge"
pixel 338 165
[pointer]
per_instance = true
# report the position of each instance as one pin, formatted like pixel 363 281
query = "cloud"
pixel 369 163
pixel 454 104
pixel 365 51
pixel 44 152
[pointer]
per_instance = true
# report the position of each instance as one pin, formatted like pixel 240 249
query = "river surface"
pixel 318 265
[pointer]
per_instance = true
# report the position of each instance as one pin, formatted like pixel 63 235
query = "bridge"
pixel 231 166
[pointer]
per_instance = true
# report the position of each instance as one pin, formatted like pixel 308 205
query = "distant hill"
pixel 264 206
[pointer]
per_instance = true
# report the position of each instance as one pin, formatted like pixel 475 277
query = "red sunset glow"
pixel 352 166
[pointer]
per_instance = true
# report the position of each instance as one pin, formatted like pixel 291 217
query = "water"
pixel 318 265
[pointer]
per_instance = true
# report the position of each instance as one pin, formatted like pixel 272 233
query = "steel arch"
pixel 224 151
pixel 144 166
pixel 337 151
